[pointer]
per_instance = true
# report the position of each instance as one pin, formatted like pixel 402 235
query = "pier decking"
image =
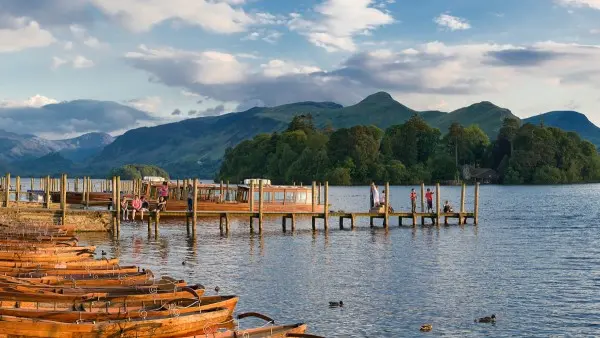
pixel 83 213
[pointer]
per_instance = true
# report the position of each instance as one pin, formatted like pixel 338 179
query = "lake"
pixel 534 261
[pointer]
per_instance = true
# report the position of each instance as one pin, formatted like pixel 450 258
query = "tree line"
pixel 411 153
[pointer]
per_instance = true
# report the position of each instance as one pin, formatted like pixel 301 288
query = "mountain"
pixel 196 146
pixel 485 114
pixel 569 121
pixel 16 147
pixel 52 164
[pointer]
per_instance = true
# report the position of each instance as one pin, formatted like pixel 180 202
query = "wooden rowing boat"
pixel 114 271
pixel 281 331
pixel 104 263
pixel 155 327
pixel 102 310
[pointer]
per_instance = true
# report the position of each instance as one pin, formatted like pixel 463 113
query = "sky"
pixel 180 59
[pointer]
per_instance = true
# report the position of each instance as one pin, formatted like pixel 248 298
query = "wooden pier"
pixel 66 213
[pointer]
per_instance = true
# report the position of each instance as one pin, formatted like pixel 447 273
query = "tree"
pixel 137 171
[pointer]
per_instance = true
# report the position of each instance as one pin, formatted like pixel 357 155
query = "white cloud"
pixel 57 62
pixel 81 34
pixel 81 61
pixel 339 21
pixel 22 33
pixel 270 36
pixel 68 45
pixel 276 68
pixel 34 101
pixel 215 15
pixel 455 75
pixel 594 4
pixel 452 23
pixel 149 104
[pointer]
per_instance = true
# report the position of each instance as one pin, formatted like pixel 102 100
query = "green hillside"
pixel 196 146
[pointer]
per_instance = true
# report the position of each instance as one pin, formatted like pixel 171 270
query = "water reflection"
pixel 539 271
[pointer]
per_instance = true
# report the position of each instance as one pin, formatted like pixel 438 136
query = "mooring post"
pixel 293 222
pixel 437 204
pixel 387 205
pixel 6 189
pixel 326 206
pixel 84 182
pixel 119 205
pixel 283 223
pixel 90 186
pixel 48 200
pixel 314 196
pixel 194 207
pixel 63 198
pixel 17 190
pixel 422 204
pixel 32 184
pixel 260 206
pixel 221 192
pixel 463 192
pixel 227 194
pixel 319 194
pixel 115 201
pixel 251 203
pixel 476 209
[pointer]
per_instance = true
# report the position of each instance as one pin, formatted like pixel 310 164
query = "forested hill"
pixel 411 153
pixel 196 146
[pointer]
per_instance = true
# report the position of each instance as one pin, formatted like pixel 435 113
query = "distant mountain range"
pixel 194 147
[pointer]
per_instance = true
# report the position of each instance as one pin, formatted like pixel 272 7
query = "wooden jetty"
pixel 69 211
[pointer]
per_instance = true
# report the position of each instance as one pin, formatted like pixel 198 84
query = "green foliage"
pixel 412 153
pixel 135 171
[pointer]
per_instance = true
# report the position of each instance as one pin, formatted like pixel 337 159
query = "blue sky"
pixel 186 58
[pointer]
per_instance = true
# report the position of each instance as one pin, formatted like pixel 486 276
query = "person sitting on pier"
pixel 145 207
pixel 136 205
pixel 429 197
pixel 382 201
pixel 162 204
pixel 413 201
pixel 124 205
pixel 448 207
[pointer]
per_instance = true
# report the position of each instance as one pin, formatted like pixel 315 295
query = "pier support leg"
pixel 283 223
pixel 341 223
pixel 414 219
pixel 251 224
pixel 352 222
pixel 187 224
pixel 221 224
pixel 399 221
pixel 314 225
pixel 156 221
pixel 227 223
pixel 293 222
pixel 149 223
pixel 371 221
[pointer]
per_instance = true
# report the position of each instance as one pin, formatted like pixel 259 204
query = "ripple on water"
pixel 534 261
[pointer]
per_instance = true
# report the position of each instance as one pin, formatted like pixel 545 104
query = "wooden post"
pixel 90 187
pixel 260 206
pixel 326 206
pixel 251 197
pixel 48 200
pixel 63 198
pixel 462 203
pixel 387 205
pixel 422 203
pixel 17 190
pixel 32 184
pixel 437 204
pixel 118 188
pixel 194 207
pixel 227 193
pixel 476 209
pixel 314 195
pixel 319 194
pixel 7 189
pixel 114 205
pixel 221 192
pixel 293 222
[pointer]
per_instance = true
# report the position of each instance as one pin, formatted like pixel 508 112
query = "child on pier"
pixel 145 207
pixel 413 201
pixel 448 207
pixel 429 197
pixel 124 205
pixel 162 204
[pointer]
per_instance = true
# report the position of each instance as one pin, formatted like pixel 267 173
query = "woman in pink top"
pixel 164 191
pixel 136 205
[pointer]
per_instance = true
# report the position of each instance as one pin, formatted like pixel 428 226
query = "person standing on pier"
pixel 374 196
pixel 190 197
pixel 164 191
pixel 124 205
pixel 429 197
pixel 413 201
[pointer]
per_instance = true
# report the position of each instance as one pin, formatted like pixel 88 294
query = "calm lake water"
pixel 534 261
